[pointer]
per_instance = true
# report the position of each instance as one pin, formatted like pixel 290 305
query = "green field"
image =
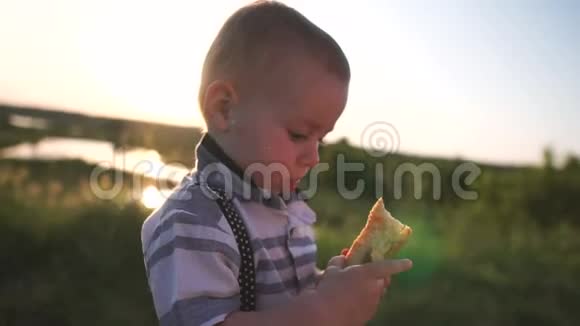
pixel 510 257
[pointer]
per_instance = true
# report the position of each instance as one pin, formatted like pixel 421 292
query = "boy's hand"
pixel 350 296
pixel 344 252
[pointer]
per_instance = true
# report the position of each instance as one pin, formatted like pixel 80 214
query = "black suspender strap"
pixel 247 273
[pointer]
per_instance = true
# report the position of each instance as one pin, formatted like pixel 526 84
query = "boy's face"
pixel 277 129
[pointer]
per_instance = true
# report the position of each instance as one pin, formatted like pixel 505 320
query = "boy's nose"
pixel 310 155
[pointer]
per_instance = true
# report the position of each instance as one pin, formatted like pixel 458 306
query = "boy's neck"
pixel 212 146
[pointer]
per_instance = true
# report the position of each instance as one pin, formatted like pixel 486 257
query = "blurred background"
pixel 99 120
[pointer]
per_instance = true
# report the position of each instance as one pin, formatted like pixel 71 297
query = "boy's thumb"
pixel 384 268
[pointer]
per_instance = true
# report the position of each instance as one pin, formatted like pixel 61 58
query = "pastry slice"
pixel 381 238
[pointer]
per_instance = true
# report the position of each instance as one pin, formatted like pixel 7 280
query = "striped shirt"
pixel 191 256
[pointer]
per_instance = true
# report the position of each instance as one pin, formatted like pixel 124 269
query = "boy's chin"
pixel 281 188
pixel 277 185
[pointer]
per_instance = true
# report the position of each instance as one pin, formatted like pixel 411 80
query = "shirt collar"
pixel 215 168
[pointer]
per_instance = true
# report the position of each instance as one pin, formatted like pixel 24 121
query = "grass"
pixel 72 259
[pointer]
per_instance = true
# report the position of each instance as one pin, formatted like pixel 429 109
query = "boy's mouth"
pixel 294 184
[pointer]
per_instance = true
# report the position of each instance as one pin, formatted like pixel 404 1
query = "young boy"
pixel 234 243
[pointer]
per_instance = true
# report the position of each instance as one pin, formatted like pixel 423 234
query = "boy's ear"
pixel 220 98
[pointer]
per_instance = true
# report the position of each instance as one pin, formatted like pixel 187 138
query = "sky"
pixel 493 81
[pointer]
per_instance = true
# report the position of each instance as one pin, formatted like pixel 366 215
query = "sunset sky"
pixel 484 80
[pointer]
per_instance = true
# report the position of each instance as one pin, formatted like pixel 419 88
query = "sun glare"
pixel 152 197
pixel 149 70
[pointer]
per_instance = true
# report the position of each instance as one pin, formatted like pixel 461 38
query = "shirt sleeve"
pixel 192 267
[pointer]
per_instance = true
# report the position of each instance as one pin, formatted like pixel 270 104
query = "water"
pixel 140 161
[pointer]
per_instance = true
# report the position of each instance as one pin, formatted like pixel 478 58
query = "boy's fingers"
pixel 344 251
pixel 384 268
pixel 387 281
pixel 337 261
pixel 334 265
pixel 381 283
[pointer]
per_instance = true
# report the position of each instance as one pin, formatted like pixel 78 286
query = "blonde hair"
pixel 265 29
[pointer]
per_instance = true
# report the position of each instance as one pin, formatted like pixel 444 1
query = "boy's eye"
pixel 295 136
